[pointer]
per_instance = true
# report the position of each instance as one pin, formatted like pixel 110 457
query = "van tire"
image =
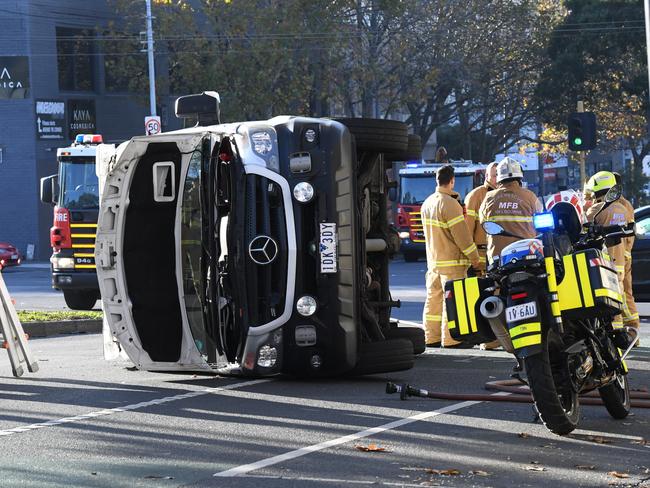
pixel 413 334
pixel 384 357
pixel 413 151
pixel 377 135
pixel 79 299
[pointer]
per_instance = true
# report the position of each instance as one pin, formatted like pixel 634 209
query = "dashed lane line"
pixel 303 451
pixel 126 408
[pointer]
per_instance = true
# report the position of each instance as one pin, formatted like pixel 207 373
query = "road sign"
pixel 152 125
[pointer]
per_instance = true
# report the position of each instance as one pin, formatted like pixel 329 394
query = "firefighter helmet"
pixel 600 183
pixel 508 169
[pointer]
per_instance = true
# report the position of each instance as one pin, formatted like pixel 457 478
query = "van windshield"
pixel 78 183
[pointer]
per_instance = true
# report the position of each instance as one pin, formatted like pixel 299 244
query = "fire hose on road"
pixel 518 393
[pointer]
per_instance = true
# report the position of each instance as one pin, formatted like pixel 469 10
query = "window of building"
pixel 75 58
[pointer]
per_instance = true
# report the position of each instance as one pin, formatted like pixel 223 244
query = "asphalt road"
pixel 82 421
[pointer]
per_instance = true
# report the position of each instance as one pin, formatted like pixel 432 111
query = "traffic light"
pixel 582 131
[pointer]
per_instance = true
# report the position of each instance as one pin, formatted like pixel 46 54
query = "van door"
pixel 139 251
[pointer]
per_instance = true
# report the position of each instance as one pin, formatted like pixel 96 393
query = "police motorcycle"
pixel 550 301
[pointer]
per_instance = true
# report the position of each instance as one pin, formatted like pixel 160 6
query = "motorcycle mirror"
pixel 493 229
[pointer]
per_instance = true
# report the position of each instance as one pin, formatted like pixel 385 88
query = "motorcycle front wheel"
pixel 555 400
pixel 616 397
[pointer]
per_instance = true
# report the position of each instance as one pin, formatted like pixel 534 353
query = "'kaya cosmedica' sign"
pixel 81 117
pixel 50 119
pixel 14 77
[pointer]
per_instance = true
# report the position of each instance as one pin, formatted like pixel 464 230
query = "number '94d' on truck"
pixel 261 247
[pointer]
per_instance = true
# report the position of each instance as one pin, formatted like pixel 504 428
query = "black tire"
pixel 80 300
pixel 616 397
pixel 413 334
pixel 559 414
pixel 384 357
pixel 411 257
pixel 378 135
pixel 413 150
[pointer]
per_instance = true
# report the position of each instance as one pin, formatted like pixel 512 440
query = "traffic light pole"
pixel 152 69
pixel 582 157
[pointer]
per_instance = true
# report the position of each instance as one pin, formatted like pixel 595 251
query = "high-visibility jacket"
pixel 512 207
pixel 448 242
pixel 473 202
pixel 628 242
pixel 615 214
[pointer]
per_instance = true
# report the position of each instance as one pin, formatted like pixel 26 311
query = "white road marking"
pixel 409 323
pixel 126 408
pixel 337 481
pixel 264 463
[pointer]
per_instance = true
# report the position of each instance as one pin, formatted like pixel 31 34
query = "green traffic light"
pixel 577 141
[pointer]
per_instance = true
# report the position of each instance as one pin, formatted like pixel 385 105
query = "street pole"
pixel 646 8
pixel 582 157
pixel 152 70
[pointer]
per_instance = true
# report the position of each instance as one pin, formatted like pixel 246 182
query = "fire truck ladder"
pixel 14 335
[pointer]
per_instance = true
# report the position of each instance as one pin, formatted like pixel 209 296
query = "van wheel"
pixel 413 334
pixel 377 135
pixel 384 357
pixel 413 150
pixel 80 300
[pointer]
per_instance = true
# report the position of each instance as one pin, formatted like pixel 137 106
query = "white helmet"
pixel 508 168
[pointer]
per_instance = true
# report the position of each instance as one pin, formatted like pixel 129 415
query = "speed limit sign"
pixel 152 125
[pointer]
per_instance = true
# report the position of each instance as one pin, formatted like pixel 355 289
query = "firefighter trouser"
pixel 630 313
pixel 434 316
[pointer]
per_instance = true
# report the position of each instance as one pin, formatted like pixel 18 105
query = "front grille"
pixel 265 283
pixel 83 245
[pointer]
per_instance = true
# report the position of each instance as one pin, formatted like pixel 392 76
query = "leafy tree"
pixel 598 56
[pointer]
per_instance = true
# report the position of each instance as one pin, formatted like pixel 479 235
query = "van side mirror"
pixel 392 194
pixel 49 189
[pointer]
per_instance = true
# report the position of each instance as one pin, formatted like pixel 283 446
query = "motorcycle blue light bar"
pixel 544 221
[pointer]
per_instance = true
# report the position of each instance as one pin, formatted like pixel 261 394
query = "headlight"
pixel 404 235
pixel 306 306
pixel 262 142
pixel 267 357
pixel 62 263
pixel 303 192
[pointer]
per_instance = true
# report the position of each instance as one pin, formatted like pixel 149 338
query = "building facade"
pixel 56 81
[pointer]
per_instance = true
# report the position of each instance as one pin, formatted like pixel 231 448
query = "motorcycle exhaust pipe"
pixel 493 310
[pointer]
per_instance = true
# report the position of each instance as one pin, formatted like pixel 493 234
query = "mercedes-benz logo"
pixel 263 250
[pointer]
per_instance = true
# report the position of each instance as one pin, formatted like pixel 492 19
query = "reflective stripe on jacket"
pixel 449 244
pixel 513 207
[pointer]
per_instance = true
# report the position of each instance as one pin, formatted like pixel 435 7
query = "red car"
pixel 9 255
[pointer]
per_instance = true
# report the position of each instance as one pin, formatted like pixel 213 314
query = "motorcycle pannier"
pixel 462 300
pixel 589 286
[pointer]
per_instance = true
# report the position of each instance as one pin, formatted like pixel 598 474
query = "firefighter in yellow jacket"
pixel 630 313
pixel 615 214
pixel 473 202
pixel 511 206
pixel 450 251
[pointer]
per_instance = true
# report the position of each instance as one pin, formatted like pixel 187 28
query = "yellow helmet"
pixel 601 181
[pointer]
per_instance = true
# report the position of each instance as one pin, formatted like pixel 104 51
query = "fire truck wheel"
pixel 80 300
pixel 413 151
pixel 413 334
pixel 378 135
pixel 384 357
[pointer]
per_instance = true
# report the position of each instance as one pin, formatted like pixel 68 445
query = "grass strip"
pixel 57 315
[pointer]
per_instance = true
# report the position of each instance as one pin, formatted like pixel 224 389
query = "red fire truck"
pixel 74 192
pixel 416 182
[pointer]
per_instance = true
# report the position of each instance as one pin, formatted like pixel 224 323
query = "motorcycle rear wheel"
pixel 558 410
pixel 616 397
